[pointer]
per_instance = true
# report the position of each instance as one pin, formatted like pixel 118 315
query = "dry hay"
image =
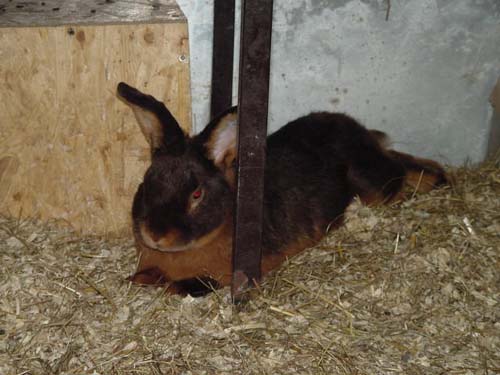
pixel 410 289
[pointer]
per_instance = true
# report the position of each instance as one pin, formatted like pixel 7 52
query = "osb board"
pixel 69 149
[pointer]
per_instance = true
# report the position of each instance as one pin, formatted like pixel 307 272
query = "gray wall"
pixel 423 76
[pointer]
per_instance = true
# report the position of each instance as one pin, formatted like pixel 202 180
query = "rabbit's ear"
pixel 160 128
pixel 220 138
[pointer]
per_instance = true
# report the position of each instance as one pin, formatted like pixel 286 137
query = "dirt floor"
pixel 408 289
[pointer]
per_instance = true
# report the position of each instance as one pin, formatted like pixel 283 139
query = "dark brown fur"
pixel 316 165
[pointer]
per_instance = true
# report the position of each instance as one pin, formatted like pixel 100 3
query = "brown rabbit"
pixel 183 210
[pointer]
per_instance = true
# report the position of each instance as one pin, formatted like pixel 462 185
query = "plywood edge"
pixel 51 13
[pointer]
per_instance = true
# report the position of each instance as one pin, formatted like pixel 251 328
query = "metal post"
pixel 255 51
pixel 222 57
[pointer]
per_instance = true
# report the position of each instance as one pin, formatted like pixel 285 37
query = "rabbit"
pixel 315 166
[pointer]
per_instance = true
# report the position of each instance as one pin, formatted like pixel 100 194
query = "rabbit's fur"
pixel 315 166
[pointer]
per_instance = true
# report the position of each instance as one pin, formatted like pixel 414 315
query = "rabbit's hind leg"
pixel 422 175
pixel 375 176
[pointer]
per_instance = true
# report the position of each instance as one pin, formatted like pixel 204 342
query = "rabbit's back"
pixel 315 166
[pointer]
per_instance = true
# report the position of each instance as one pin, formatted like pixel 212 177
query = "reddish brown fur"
pixel 213 260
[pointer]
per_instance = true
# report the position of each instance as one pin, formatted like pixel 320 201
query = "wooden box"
pixel 70 151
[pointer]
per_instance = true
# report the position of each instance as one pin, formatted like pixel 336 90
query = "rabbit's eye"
pixel 197 194
pixel 196 198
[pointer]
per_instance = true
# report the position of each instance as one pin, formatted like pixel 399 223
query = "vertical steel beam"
pixel 222 57
pixel 255 56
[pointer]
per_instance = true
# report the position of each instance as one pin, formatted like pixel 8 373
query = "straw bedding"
pixel 412 288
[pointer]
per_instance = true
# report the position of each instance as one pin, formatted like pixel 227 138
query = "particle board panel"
pixel 70 151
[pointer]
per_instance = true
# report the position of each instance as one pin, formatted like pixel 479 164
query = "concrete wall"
pixel 423 76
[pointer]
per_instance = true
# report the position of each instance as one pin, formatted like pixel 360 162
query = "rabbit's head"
pixel 186 196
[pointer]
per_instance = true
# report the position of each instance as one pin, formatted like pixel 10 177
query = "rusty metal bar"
pixel 222 57
pixel 255 56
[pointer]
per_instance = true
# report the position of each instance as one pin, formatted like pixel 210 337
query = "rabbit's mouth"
pixel 172 242
pixel 172 249
pixel 168 242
